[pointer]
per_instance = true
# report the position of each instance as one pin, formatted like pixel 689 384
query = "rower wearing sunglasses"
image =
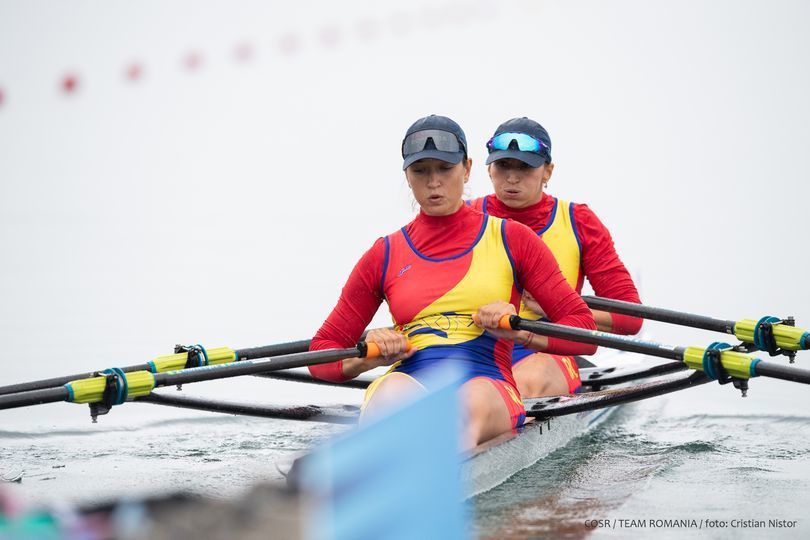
pixel 520 166
pixel 435 273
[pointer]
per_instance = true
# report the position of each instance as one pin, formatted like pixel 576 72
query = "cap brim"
pixel 529 158
pixel 449 157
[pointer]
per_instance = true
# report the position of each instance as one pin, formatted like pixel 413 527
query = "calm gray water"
pixel 645 468
pixel 704 454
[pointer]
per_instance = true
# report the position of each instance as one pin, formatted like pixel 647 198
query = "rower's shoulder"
pixel 376 253
pixel 588 226
pixel 406 229
pixel 578 210
pixel 515 230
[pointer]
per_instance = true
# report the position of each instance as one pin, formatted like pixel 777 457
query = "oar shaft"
pixel 252 367
pixel 33 397
pixel 767 333
pixel 595 337
pixel 335 415
pixel 295 376
pixel 786 373
pixel 90 390
pixel 278 349
pixel 659 314
pixel 58 381
pixel 736 364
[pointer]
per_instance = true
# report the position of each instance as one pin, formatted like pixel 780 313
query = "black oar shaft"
pixel 204 373
pixel 252 367
pixel 336 415
pixel 786 373
pixel 295 376
pixel 278 349
pixel 659 314
pixel 33 397
pixel 651 348
pixel 58 381
pixel 594 337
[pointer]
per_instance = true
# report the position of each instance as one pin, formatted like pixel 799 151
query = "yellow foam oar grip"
pixel 139 383
pixel 735 363
pixel 173 362
pixel 787 337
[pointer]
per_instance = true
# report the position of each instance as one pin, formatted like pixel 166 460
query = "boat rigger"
pixel 606 384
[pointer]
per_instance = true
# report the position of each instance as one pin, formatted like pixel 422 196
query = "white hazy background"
pixel 227 205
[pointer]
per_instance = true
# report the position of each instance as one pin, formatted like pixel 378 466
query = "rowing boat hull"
pixel 559 420
pixel 492 463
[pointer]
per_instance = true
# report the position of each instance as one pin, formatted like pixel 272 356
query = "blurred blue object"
pixel 396 478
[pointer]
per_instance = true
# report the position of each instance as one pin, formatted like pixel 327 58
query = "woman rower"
pixel 520 167
pixel 434 273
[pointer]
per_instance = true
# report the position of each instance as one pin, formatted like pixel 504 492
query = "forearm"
pixel 577 315
pixel 352 367
pixel 541 276
pixel 532 341
pixel 618 323
pixel 606 272
pixel 333 336
pixel 604 320
pixel 355 308
pixel 539 343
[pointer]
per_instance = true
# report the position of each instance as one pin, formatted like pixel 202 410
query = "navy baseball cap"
pixel 436 137
pixel 522 139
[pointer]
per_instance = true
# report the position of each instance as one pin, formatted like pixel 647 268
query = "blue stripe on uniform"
pixel 551 217
pixel 574 226
pixel 509 256
pixel 434 259
pixel 385 264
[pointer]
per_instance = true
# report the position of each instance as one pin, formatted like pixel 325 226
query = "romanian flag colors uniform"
pixel 432 301
pixel 560 235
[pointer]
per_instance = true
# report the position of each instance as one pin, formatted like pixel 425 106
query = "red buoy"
pixel 70 83
pixel 134 71
pixel 193 61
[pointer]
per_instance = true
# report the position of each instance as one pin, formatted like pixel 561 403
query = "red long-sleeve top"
pixel 446 236
pixel 600 263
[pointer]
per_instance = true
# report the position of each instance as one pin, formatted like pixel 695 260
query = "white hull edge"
pixel 493 463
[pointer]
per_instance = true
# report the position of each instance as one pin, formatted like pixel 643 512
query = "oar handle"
pixel 506 322
pixel 373 350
